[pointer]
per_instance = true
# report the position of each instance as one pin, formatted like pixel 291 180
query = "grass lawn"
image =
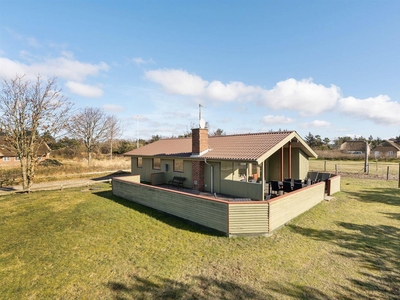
pixel 88 244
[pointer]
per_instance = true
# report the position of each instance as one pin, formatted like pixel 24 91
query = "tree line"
pixel 316 142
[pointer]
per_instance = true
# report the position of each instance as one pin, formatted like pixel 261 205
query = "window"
pixel 157 163
pixel 390 153
pixel 6 158
pixel 178 165
pixel 16 158
pixel 226 170
pixel 139 162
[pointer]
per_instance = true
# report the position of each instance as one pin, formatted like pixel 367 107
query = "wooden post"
pixel 399 176
pixel 366 158
pixel 290 160
pixel 336 168
pixel 324 165
pixel 282 158
pixel 387 173
pixel 376 165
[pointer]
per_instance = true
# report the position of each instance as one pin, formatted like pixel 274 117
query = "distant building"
pixel 8 154
pixel 355 147
pixel 387 149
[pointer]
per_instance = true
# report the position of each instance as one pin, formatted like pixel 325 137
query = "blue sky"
pixel 327 67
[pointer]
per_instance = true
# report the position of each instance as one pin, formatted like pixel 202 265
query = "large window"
pixel 6 158
pixel 240 171
pixel 226 170
pixel 178 165
pixel 139 162
pixel 157 163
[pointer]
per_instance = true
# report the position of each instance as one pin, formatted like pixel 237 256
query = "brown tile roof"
pixel 248 147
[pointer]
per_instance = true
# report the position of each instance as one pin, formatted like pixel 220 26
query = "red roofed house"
pixel 222 164
pixel 8 154
pixel 387 149
pixel 234 165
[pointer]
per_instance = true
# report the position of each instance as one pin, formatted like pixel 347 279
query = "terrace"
pixel 231 215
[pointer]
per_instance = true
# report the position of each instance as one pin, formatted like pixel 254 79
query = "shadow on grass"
pixel 168 219
pixel 377 248
pixel 379 195
pixel 201 287
pixel 110 176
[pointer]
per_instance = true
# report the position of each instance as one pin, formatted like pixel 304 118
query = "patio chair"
pixel 298 181
pixel 297 185
pixel 287 187
pixel 287 179
pixel 313 176
pixel 275 187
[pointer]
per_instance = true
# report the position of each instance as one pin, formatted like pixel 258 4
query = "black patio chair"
pixel 275 187
pixel 287 179
pixel 313 176
pixel 287 186
pixel 297 185
pixel 298 181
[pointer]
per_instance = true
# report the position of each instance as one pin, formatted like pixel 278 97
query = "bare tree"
pixel 91 127
pixel 114 131
pixel 30 112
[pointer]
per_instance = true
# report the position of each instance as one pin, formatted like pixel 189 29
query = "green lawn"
pixel 88 244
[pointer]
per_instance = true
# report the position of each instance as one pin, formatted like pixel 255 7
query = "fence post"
pixel 399 176
pixel 336 169
pixel 387 173
pixel 324 165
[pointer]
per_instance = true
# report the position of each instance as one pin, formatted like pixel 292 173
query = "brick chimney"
pixel 199 141
pixel 199 146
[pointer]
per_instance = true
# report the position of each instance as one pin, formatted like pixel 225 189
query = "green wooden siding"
pixel 206 212
pixel 248 219
pixel 291 205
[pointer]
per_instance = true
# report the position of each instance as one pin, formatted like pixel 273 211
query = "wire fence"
pixel 374 169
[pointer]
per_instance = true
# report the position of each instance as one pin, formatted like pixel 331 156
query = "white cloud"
pixel 10 68
pixel 84 89
pixel 316 124
pixel 113 108
pixel 140 61
pixel 380 109
pixel 304 96
pixel 216 90
pixel 178 82
pixel 273 120
pixel 63 67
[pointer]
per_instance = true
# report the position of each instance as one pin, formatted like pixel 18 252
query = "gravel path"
pixel 62 184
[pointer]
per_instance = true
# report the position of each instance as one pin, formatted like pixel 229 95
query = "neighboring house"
pixel 355 147
pixel 224 164
pixel 388 149
pixel 8 154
